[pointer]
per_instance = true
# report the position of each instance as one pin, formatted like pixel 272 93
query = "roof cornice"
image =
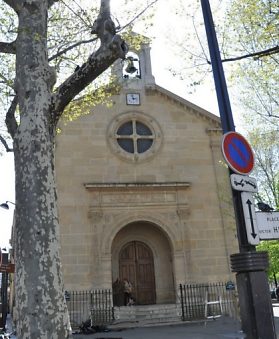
pixel 182 101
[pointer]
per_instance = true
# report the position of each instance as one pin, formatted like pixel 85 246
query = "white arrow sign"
pixel 244 183
pixel 250 218
pixel 268 225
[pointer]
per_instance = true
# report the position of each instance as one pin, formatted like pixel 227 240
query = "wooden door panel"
pixel 136 264
pixel 127 272
pixel 128 252
pixel 146 283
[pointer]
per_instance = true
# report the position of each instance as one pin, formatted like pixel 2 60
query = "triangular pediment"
pixel 199 111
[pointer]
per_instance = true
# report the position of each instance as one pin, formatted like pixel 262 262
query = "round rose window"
pixel 134 136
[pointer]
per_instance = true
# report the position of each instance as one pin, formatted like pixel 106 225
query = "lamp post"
pixel 250 266
pixel 5 204
pixel 4 291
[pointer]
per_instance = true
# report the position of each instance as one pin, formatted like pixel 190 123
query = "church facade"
pixel 143 192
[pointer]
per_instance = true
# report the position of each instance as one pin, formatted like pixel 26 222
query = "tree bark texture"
pixel 41 311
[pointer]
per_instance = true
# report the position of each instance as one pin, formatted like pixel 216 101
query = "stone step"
pixel 150 313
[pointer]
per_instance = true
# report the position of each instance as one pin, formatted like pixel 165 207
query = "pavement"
pixel 220 328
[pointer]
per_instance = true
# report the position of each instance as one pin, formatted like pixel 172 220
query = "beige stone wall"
pixel 196 221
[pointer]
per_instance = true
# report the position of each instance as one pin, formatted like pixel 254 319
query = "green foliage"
pixel 85 103
pixel 133 40
pixel 272 247
pixel 264 139
pixel 252 26
pixel 70 42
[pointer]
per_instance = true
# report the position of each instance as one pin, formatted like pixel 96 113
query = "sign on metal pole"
pixel 237 153
pixel 7 268
pixel 268 225
pixel 255 298
pixel 244 183
pixel 250 218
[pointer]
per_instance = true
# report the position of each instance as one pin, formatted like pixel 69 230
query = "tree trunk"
pixel 40 305
pixel 41 311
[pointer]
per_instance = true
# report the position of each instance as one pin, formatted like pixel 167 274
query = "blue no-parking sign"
pixel 238 153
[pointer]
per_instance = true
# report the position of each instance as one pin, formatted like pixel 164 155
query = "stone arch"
pixel 120 223
pixel 157 240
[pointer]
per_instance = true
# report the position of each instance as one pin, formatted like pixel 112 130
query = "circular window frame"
pixel 145 119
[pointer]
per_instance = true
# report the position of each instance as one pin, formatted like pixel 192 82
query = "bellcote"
pixel 135 71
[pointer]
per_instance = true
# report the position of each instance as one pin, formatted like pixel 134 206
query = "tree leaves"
pixel 70 41
pixel 272 247
pixel 253 27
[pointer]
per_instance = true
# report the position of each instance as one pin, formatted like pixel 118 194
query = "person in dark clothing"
pixel 127 292
pixel 118 293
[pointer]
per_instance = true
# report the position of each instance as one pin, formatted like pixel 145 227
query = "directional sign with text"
pixel 250 218
pixel 268 225
pixel 237 153
pixel 8 268
pixel 244 183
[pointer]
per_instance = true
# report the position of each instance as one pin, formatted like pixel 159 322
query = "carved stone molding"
pixel 95 214
pixel 183 212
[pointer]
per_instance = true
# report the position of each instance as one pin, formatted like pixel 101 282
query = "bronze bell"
pixel 130 66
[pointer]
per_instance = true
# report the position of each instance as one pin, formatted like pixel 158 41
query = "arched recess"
pixel 155 247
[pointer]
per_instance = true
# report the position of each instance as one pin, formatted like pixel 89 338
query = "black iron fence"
pixel 202 301
pixel 95 305
pixel 198 301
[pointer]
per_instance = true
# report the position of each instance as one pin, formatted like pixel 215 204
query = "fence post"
pixel 182 301
pixel 193 300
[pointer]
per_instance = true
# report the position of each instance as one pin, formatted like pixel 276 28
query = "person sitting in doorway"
pixel 127 292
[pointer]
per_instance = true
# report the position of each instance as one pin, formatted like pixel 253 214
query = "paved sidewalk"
pixel 220 328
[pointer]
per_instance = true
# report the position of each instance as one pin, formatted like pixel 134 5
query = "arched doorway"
pixel 137 265
pixel 156 246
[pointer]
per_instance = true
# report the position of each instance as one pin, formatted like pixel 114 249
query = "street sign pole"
pixel 250 266
pixel 4 293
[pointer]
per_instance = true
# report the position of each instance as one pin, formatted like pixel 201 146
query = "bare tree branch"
pixel 10 118
pixel 256 55
pixel 8 47
pixel 5 144
pixel 5 81
pixel 69 48
pixel 87 24
pixel 112 48
pixel 199 40
pixel 139 14
pixel 97 63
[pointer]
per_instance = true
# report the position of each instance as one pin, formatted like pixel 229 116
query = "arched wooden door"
pixel 136 264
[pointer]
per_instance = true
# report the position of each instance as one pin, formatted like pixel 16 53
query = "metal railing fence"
pixel 95 305
pixel 201 301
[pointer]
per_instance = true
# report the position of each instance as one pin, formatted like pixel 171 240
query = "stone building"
pixel 143 193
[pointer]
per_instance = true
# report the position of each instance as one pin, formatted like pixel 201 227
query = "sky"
pixel 204 96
